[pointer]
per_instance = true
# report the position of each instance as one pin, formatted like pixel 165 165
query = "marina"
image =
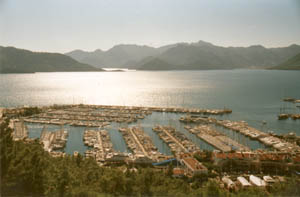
pixel 243 128
pixel 53 140
pixel 140 138
pixel 100 143
pixel 217 139
pixel 265 138
pixel 101 116
pixel 140 144
pixel 177 141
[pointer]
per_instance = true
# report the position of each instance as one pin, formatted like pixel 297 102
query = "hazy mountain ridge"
pixel 14 60
pixel 291 64
pixel 153 63
pixel 199 55
pixel 118 56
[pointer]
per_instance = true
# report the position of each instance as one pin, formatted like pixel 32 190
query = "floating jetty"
pixel 20 130
pixel 157 109
pixel 102 115
pixel 88 118
pixel 216 139
pixel 265 138
pixel 102 148
pixel 53 140
pixel 177 141
pixel 141 144
pixel 243 128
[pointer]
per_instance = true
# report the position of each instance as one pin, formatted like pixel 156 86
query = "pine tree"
pixel 6 148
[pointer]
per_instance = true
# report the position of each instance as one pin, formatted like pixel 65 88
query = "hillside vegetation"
pixel 13 60
pixel 292 64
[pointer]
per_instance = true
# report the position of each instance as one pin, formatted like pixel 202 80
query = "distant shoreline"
pixel 132 70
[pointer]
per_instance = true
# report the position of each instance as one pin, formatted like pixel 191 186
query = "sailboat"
pixel 282 114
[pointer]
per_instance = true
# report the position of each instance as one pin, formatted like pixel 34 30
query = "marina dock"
pixel 102 115
pixel 100 142
pixel 265 138
pixel 141 144
pixel 216 139
pixel 177 141
pixel 243 128
pixel 53 140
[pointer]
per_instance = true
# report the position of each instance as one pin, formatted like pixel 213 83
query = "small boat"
pixel 229 183
pixel 289 99
pixel 254 180
pixel 283 116
pixel 243 182
pixel 268 179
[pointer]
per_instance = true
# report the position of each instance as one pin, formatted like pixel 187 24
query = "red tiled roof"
pixel 220 155
pixel 296 159
pixel 178 171
pixel 194 164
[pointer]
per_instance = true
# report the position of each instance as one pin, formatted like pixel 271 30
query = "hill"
pixel 120 56
pixel 13 60
pixel 152 63
pixel 186 56
pixel 291 64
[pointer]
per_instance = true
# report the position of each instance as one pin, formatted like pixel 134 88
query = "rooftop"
pixel 194 164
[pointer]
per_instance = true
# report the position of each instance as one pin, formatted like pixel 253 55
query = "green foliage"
pixel 290 188
pixel 6 148
pixel 206 157
pixel 170 170
pixel 30 111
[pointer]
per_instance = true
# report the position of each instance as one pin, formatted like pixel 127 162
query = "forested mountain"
pixel 186 56
pixel 13 60
pixel 291 64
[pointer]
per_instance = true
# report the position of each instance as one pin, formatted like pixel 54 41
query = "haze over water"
pixel 253 95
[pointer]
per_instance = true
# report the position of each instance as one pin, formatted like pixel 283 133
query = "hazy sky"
pixel 65 25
